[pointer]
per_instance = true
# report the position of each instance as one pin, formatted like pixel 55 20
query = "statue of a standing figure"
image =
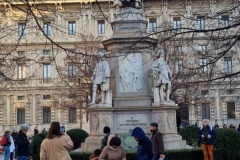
pixel 128 3
pixel 161 78
pixel 101 75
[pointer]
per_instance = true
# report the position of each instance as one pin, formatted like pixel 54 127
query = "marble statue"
pixel 128 3
pixel 161 78
pixel 101 75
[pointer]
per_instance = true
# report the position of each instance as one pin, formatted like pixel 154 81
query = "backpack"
pixel 3 141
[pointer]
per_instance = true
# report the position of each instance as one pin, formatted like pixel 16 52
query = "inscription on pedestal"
pixel 130 121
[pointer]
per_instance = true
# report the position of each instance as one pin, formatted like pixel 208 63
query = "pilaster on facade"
pixel 224 108
pixel 1 109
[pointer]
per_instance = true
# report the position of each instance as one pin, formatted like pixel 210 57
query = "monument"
pixel 133 71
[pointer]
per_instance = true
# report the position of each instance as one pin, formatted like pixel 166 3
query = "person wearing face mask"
pixel 157 142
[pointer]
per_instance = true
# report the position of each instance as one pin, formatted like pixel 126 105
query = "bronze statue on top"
pixel 128 3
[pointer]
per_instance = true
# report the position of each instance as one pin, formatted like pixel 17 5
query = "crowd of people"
pixel 58 144
pixel 148 149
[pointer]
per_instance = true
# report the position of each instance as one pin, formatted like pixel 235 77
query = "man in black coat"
pixel 157 142
pixel 22 143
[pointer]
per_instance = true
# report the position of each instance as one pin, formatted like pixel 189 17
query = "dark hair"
pixel 97 152
pixel 116 141
pixel 7 132
pixel 106 129
pixel 54 130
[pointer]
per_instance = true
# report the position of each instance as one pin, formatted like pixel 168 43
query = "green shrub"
pixel 190 134
pixel 228 140
pixel 36 143
pixel 77 136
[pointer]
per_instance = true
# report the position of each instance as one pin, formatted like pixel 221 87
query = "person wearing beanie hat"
pixel 157 142
pixel 144 150
pixel 107 132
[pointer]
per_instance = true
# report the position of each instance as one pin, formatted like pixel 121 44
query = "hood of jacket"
pixel 138 133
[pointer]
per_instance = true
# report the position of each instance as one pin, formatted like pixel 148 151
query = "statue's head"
pixel 160 53
pixel 100 55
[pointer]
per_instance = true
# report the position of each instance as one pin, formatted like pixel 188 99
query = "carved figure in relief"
pixel 101 75
pixel 128 3
pixel 161 78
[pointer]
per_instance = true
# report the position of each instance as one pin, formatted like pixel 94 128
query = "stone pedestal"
pixel 122 120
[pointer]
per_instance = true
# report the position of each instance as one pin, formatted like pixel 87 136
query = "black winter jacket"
pixel 208 130
pixel 22 144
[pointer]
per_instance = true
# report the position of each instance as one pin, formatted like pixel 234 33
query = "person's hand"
pixel 209 136
pixel 162 155
pixel 203 136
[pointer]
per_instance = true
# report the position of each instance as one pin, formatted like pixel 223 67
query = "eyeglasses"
pixel 204 121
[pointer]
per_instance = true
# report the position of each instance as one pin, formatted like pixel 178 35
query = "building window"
pixel 200 23
pixel 178 48
pixel 204 92
pixel 202 48
pixel 72 96
pixel 21 29
pixel 227 65
pixel 72 115
pixel 47 28
pixel 46 72
pixel 178 66
pixel 20 98
pixel 21 53
pixel 46 115
pixel 231 110
pixel 72 69
pixel 46 52
pixel 205 111
pixel 20 115
pixel 45 97
pixel 152 24
pixel 224 21
pixel 101 27
pixel 176 22
pixel 21 74
pixel 203 65
pixel 101 50
pixel 72 27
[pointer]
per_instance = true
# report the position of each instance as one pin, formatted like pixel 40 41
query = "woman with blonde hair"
pixel 57 145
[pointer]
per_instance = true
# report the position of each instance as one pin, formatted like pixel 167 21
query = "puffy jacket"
pixel 144 151
pixel 207 130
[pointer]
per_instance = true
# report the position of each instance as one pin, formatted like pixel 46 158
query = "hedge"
pixel 77 136
pixel 229 141
pixel 190 134
pixel 185 154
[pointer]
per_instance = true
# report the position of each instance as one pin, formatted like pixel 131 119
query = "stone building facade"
pixel 38 50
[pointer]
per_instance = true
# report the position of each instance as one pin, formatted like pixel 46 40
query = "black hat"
pixel 154 124
pixel 106 129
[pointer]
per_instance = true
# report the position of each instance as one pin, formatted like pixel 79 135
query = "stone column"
pixel 217 108
pixel 8 110
pixel 34 120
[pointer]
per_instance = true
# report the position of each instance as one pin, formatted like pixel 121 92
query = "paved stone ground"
pixel 1 156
